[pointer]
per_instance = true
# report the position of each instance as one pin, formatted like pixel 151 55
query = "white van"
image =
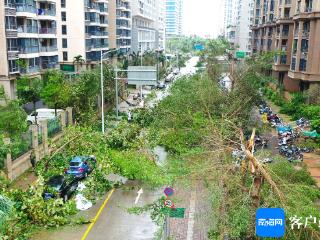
pixel 42 114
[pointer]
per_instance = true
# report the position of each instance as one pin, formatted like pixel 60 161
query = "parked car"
pixel 60 186
pixel 81 166
pixel 169 78
pixel 42 114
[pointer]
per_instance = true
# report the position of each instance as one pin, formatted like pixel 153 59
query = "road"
pixel 114 222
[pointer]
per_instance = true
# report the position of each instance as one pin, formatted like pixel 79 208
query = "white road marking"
pixel 139 194
pixel 191 216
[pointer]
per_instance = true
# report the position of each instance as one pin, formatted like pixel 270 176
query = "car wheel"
pixel 65 197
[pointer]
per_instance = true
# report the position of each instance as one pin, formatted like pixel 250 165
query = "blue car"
pixel 81 166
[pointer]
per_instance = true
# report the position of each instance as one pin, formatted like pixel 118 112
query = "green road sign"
pixel 177 212
pixel 240 54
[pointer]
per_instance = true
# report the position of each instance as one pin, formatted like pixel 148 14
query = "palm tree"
pixel 78 60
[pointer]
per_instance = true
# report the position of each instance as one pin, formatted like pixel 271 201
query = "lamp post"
pixel 102 89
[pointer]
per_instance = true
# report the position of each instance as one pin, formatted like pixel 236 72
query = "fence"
pixel 21 145
pixel 16 159
pixel 54 127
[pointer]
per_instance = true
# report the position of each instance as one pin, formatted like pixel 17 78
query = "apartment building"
pixel 144 32
pixel 123 25
pixel 238 16
pixel 82 30
pixel 173 18
pixel 161 24
pixel 229 28
pixel 290 29
pixel 28 40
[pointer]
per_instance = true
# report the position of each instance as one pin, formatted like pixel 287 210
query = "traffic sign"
pixel 240 54
pixel 177 212
pixel 168 191
pixel 168 203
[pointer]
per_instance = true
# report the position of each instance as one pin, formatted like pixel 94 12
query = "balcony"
pixel 287 2
pixel 27 29
pixel 30 70
pixel 47 31
pixel 26 8
pixel 46 12
pixel 28 49
pixel 49 65
pixel 52 48
pixel 97 33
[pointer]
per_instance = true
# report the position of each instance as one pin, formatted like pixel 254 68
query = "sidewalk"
pixel 195 224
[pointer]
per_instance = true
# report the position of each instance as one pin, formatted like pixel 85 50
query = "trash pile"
pixel 81 202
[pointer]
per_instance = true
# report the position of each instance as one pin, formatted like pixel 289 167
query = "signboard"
pixel 67 67
pixel 177 212
pixel 240 54
pixel 142 75
pixel 198 47
pixel 168 191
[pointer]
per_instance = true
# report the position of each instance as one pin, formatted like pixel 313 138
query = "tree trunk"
pixel 55 109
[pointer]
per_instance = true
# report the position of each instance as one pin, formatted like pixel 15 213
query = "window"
pixel 63 16
pixel 65 56
pixel 64 43
pixel 13 66
pixel 64 29
pixel 63 3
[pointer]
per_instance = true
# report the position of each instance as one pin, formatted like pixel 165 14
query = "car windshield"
pixel 74 164
pixel 56 182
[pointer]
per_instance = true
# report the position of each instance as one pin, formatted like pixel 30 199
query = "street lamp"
pixel 102 90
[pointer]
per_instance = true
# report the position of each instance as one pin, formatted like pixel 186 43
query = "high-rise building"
pixel 229 20
pixel 244 15
pixel 123 25
pixel 28 40
pixel 173 18
pixel 237 20
pixel 144 18
pixel 82 29
pixel 290 28
pixel 161 24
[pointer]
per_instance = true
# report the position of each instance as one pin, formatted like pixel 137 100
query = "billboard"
pixel 142 75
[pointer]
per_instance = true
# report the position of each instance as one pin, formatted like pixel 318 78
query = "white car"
pixel 176 71
pixel 42 114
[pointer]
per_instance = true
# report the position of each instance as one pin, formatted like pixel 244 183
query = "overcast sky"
pixel 202 17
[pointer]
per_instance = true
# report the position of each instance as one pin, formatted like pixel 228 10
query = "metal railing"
pixel 54 127
pixel 21 145
pixel 26 8
pixel 28 49
pixel 29 70
pixel 47 31
pixel 27 29
pixel 46 12
pixel 49 48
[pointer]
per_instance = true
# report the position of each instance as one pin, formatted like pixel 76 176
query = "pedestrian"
pixel 33 159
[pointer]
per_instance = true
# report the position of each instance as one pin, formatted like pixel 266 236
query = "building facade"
pixel 144 18
pixel 238 16
pixel 28 39
pixel 83 29
pixel 173 18
pixel 290 29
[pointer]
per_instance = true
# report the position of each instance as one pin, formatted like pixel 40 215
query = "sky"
pixel 202 17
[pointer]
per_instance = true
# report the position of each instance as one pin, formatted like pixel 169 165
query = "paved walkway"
pixel 195 224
